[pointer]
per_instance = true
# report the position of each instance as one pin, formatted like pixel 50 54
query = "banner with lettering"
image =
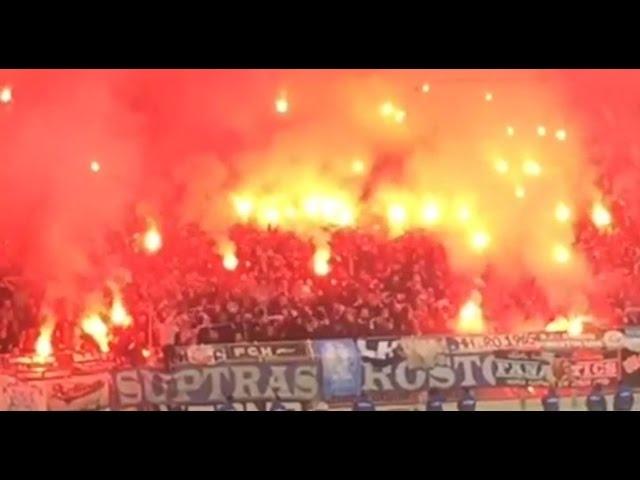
pixel 16 395
pixel 240 352
pixel 206 385
pixel 584 368
pixel 341 368
pixel 79 392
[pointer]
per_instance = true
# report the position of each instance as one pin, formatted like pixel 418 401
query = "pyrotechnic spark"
pixel 542 130
pixel 562 212
pixel 561 254
pixel 574 325
pixel 282 105
pixel 93 326
pixel 561 135
pixel 94 166
pixel 464 214
pixel 6 95
pixel 501 166
pixel 520 192
pixel 600 216
pixel 488 96
pixel 119 315
pixel 510 131
pixel 480 241
pixel 470 316
pixel 531 168
pixel 271 216
pixel 425 88
pixel 146 353
pixel 321 259
pixel 152 240
pixel 399 116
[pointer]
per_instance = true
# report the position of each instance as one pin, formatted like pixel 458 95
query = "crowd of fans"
pixel 376 287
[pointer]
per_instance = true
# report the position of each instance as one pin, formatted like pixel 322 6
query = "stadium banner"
pixel 341 368
pixel 549 341
pixel 630 367
pixel 79 392
pixel 16 395
pixel 585 368
pixel 240 352
pixel 208 385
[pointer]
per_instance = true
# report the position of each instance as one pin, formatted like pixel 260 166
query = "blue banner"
pixel 341 368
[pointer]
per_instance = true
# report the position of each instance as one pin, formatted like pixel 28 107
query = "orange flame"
pixel 93 326
pixel 43 346
pixel 119 315
pixel 321 261
pixel 574 325
pixel 228 252
pixel 470 316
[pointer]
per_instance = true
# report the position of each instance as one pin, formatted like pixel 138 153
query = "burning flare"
pixel 229 258
pixel 93 326
pixel 43 346
pixel 600 216
pixel 470 316
pixel 119 315
pixel 321 261
pixel 574 325
pixel 152 240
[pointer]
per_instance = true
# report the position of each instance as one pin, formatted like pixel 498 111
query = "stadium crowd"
pixel 376 286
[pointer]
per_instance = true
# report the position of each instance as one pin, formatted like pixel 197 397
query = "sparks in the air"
pixel 358 166
pixel 561 254
pixel 488 96
pixel 94 166
pixel 501 166
pixel 152 240
pixel 561 135
pixel 531 168
pixel 431 213
pixel 510 131
pixel 426 88
pixel 520 192
pixel 282 104
pixel 480 241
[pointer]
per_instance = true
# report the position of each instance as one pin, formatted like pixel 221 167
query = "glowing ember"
pixel 562 212
pixel 510 131
pixel 119 315
pixel 94 166
pixel 146 353
pixel 6 95
pixel 561 254
pixel 470 316
pixel 464 214
pixel 387 109
pixel 321 259
pixel 520 192
pixel 93 326
pixel 397 216
pixel 488 96
pixel 399 116
pixel 600 216
pixel 425 88
pixel 541 130
pixel 152 240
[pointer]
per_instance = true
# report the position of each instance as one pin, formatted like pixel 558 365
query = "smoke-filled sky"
pixel 480 157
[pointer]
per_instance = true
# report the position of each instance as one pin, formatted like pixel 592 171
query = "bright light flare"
pixel 425 88
pixel 43 346
pixel 358 166
pixel 510 131
pixel 488 97
pixel 243 207
pixel 561 135
pixel 573 325
pixel 520 192
pixel 561 254
pixel 119 315
pixel 470 316
pixel 282 105
pixel 431 214
pixel 6 95
pixel 93 326
pixel 600 216
pixel 541 130
pixel 94 166
pixel 321 259
pixel 480 241
pixel 152 240
pixel 229 258
pixel 562 212
pixel 397 215
pixel 531 168
pixel 501 166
